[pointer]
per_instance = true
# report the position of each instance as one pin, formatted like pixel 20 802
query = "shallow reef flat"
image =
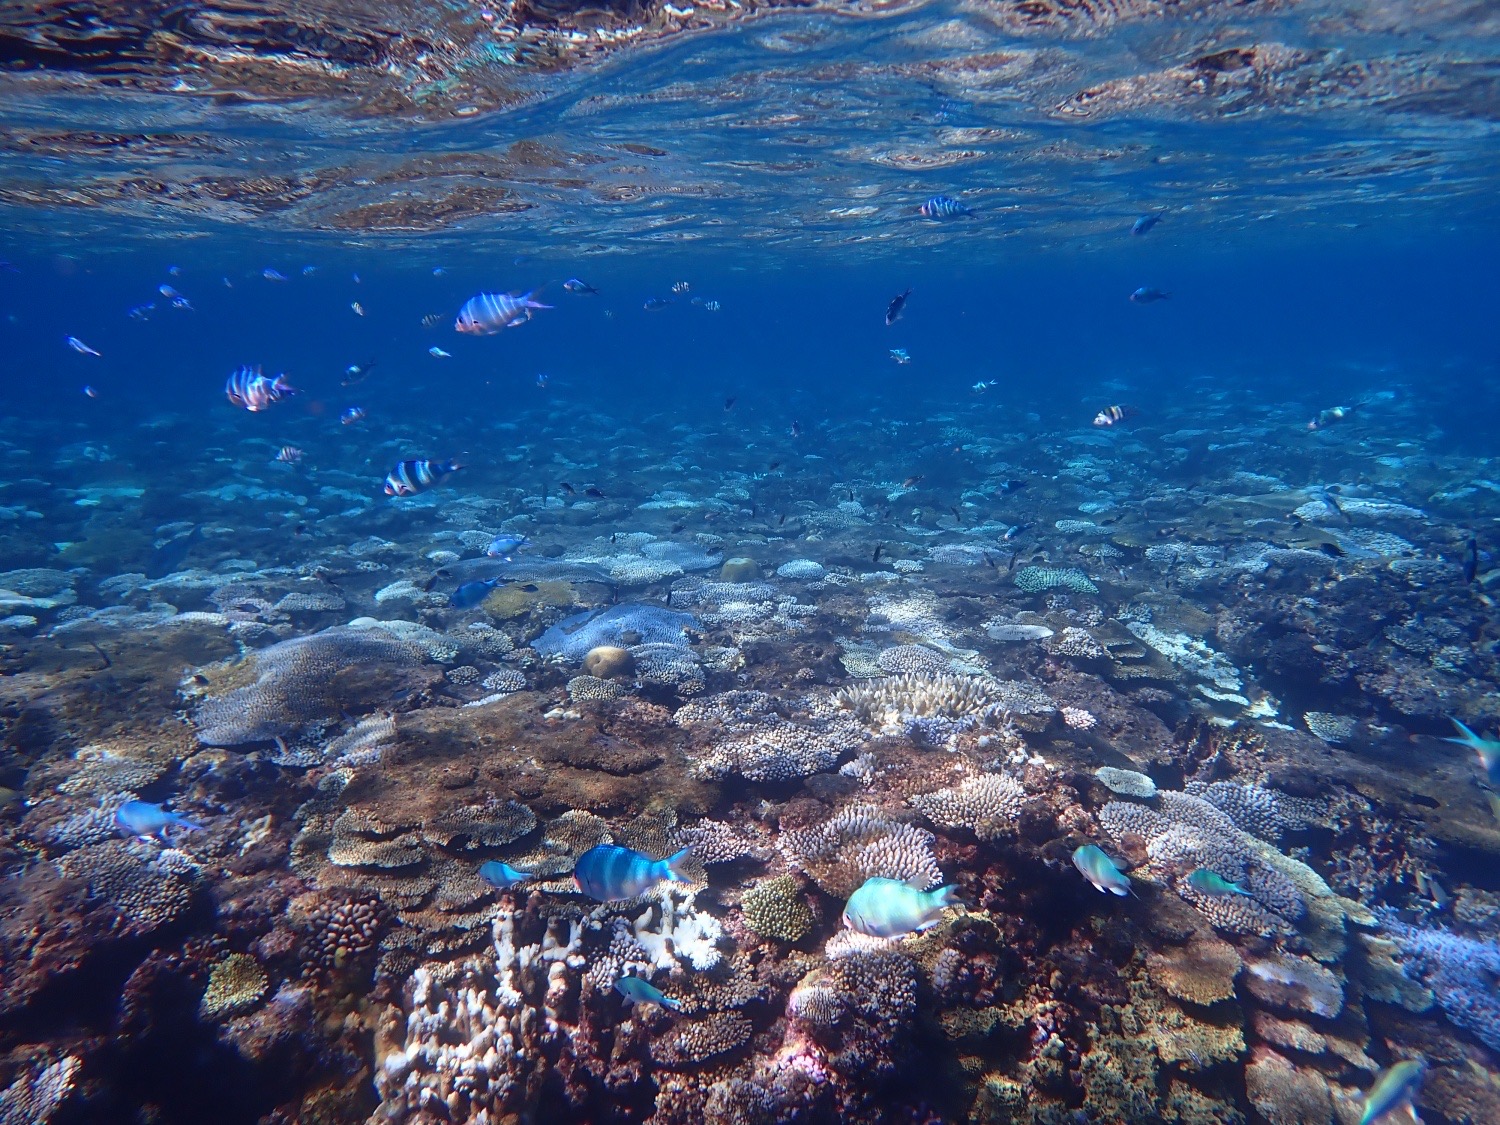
pixel 1205 642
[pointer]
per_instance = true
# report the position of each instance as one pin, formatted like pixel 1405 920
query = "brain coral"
pixel 624 625
pixel 308 680
pixel 1035 579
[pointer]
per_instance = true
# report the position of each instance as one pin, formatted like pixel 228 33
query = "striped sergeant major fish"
pixel 417 475
pixel 941 207
pixel 248 389
pixel 490 313
pixel 1111 415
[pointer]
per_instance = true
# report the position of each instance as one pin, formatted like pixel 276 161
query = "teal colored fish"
pixel 1391 1097
pixel 609 873
pixel 637 991
pixel 1100 870
pixel 1212 883
pixel 502 875
pixel 1488 750
pixel 891 908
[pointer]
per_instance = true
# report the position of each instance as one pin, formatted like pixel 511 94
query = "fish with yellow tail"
pixel 890 908
pixel 1390 1099
pixel 1100 870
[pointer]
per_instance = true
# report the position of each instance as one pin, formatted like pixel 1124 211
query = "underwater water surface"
pixel 868 563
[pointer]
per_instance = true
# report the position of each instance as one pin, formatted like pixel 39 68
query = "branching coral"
pixel 988 805
pixel 1463 972
pixel 859 843
pixel 774 909
pixel 761 743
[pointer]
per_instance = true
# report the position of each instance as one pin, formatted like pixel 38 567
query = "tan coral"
pixel 1286 1094
pixel 235 985
pixel 1201 972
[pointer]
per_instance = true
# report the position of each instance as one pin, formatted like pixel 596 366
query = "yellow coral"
pixel 519 599
pixel 235 985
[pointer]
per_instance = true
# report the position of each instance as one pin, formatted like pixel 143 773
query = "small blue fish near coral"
pixel 471 594
pixel 941 207
pixel 637 991
pixel 891 908
pixel 417 474
pixel 1144 224
pixel 1391 1096
pixel 502 545
pixel 437 353
pixel 502 875
pixel 142 818
pixel 1212 883
pixel 1100 870
pixel 1146 295
pixel 610 873
pixel 1488 750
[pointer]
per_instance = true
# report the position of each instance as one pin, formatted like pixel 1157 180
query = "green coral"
pixel 1035 579
pixel 236 984
pixel 774 908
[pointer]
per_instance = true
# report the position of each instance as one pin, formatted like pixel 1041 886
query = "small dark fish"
pixel 959 516
pixel 875 558
pixel 729 404
pixel 989 562
pixel 1012 564
pixel 356 373
pixel 567 488
pixel 1471 563
pixel 781 521
pixel 912 482
pixel 1332 550
pixel 1330 417
pixel 655 304
pixel 1145 295
pixel 596 493
pixel 573 285
pixel 941 207
pixel 1011 485
pixel 796 430
pixel 1015 531
pixel 774 465
pixel 471 594
pixel 1144 223
pixel 896 307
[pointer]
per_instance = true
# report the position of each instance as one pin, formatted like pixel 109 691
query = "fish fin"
pixel 1469 737
pixel 948 896
pixel 676 1006
pixel 674 862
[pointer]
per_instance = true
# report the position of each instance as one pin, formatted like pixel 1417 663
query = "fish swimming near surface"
pixel 502 545
pixel 980 387
pixel 359 309
pixel 432 320
pixel 91 391
pixel 488 314
pixel 144 819
pixel 1212 883
pixel 941 207
pixel 894 310
pixel 609 873
pixel 471 594
pixel 1488 750
pixel 502 875
pixel 638 991
pixel 437 353
pixel 352 414
pixel 272 275
pixel 248 389
pixel 167 291
pixel 891 908
pixel 1145 295
pixel 1144 224
pixel 574 285
pixel 1390 1099
pixel 79 346
pixel 1100 870
pixel 901 356
pixel 417 474
pixel 681 286
pixel 1112 415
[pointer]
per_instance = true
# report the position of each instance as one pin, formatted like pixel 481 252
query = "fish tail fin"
pixel 1469 737
pixel 948 896
pixel 531 302
pixel 674 866
pixel 676 1006
pixel 452 465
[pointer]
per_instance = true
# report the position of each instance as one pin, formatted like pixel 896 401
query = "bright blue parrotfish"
pixel 1391 1097
pixel 502 875
pixel 1488 750
pixel 891 908
pixel 1100 870
pixel 142 818
pixel 637 991
pixel 1212 883
pixel 610 873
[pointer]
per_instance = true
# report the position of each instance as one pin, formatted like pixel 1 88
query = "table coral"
pixel 1035 579
pixel 861 842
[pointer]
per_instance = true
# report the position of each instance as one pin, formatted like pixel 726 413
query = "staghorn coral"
pixel 988 805
pixel 774 908
pixel 235 985
pixel 858 843
pixel 306 681
pixel 1035 579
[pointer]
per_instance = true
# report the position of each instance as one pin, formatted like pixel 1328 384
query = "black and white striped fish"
pixel 416 475
pixel 490 313
pixel 943 207
pixel 248 389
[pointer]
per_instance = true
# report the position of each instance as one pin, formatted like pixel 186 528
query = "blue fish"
pixel 637 991
pixel 413 476
pixel 891 908
pixel 1488 750
pixel 573 285
pixel 1392 1094
pixel 489 313
pixel 142 818
pixel 272 275
pixel 502 875
pixel 941 207
pixel 502 545
pixel 610 873
pixel 1144 223
pixel 1145 295
pixel 1212 883
pixel 1100 870
pixel 471 594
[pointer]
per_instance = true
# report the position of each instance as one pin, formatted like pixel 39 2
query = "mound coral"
pixel 774 908
pixel 235 985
